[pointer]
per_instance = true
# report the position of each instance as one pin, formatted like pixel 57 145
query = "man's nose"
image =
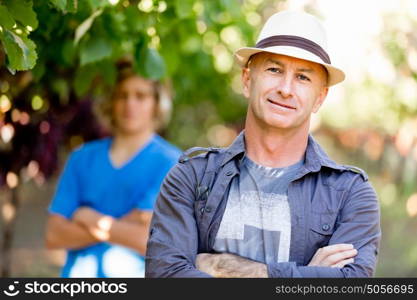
pixel 285 86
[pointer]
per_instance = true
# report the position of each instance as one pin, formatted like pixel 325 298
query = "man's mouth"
pixel 281 104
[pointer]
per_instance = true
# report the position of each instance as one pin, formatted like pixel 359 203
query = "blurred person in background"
pixel 272 204
pixel 103 203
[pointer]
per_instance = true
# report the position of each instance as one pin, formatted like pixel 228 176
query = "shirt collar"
pixel 235 149
pixel 315 156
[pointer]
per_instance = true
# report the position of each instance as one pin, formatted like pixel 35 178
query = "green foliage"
pixel 95 49
pixel 184 8
pixel 65 5
pixel 85 26
pixel 22 12
pixel 20 51
pixel 59 4
pixel 180 41
pixel 17 20
pixel 153 65
pixel 83 79
pixel 6 19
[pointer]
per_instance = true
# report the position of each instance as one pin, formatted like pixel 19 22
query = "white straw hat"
pixel 295 34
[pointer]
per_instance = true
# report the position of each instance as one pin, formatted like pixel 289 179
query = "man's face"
pixel 283 91
pixel 134 105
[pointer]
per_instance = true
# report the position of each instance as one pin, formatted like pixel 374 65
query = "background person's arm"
pixel 61 230
pixel 85 230
pixel 130 231
pixel 64 233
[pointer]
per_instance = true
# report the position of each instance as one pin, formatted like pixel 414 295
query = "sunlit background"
pixel 370 120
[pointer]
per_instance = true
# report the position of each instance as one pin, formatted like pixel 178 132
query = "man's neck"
pixel 124 145
pixel 275 148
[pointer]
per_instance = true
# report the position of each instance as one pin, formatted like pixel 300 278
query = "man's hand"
pixel 336 256
pixel 225 265
pixel 96 223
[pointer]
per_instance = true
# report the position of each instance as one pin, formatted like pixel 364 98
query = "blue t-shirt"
pixel 90 179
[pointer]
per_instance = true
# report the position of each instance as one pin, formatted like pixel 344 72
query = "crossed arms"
pixel 174 247
pixel 87 226
pixel 227 265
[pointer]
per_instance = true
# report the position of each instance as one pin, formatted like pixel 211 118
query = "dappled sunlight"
pixel 406 138
pixel 7 132
pixel 221 135
pixel 412 205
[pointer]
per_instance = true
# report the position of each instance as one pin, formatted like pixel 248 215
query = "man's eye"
pixel 274 70
pixel 142 96
pixel 303 77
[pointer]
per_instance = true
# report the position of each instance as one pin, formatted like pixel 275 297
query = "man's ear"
pixel 246 81
pixel 320 99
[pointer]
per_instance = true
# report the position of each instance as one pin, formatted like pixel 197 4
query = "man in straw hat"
pixel 273 204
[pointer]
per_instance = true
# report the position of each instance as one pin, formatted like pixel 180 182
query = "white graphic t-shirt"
pixel 257 221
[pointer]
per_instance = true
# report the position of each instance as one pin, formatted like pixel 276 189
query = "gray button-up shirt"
pixel 329 204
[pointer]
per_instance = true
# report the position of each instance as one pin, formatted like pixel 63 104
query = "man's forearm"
pixel 226 265
pixel 129 234
pixel 63 233
pixel 125 231
pixel 327 262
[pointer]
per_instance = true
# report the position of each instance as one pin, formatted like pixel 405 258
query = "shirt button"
pixel 208 209
pixel 229 173
pixel 325 227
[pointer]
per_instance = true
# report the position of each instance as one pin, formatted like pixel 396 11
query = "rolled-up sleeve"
pixel 358 224
pixel 173 242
